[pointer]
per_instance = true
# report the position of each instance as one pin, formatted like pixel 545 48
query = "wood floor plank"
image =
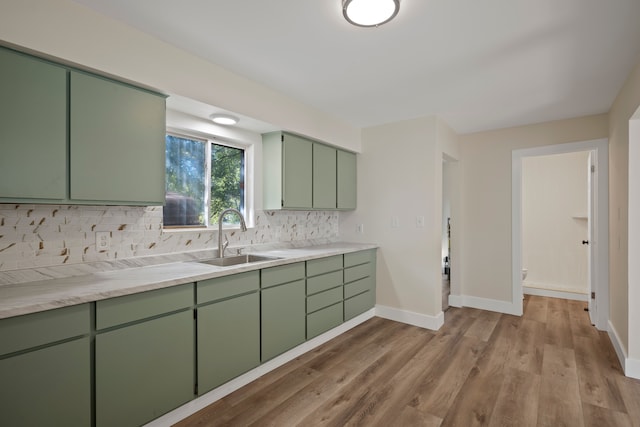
pixel 474 405
pixel 559 404
pixel 596 416
pixel 580 322
pixel 517 402
pixel 410 416
pixel 526 353
pixel 595 387
pixel 536 308
pixel 630 389
pixel 558 329
pixel 484 325
pixel 437 390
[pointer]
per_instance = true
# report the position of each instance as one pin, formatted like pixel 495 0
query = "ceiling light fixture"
pixel 370 13
pixel 224 119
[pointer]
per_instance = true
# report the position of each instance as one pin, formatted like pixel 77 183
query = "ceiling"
pixel 477 64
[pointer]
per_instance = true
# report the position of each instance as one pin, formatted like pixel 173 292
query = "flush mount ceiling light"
pixel 370 13
pixel 224 119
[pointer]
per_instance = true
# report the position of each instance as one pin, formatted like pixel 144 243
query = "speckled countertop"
pixel 39 295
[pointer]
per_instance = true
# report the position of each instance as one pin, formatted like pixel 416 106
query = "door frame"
pixel 600 241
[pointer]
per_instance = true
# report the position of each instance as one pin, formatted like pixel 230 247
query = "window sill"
pixel 205 229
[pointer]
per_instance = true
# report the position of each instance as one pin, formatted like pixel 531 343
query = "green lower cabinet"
pixel 324 319
pixel 283 318
pixel 144 370
pixel 358 304
pixel 228 340
pixel 47 387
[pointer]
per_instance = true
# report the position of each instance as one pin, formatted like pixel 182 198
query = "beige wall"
pixel 71 32
pixel 624 295
pixel 400 174
pixel 554 221
pixel 486 195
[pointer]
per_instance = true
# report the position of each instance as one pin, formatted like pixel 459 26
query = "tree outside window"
pixel 198 171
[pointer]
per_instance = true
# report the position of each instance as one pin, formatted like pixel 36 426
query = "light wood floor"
pixel 549 367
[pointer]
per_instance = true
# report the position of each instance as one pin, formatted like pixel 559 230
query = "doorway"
pixel 450 253
pixel 598 272
pixel 555 225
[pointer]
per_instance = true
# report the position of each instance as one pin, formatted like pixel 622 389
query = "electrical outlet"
pixel 103 241
pixel 420 221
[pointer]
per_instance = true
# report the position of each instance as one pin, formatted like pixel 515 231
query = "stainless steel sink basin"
pixel 237 259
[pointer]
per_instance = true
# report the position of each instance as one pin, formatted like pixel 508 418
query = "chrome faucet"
pixel 243 227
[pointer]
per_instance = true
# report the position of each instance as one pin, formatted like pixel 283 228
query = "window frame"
pixel 208 139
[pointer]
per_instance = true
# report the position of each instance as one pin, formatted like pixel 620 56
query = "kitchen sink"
pixel 237 259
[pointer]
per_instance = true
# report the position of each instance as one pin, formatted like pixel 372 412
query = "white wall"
pixel 400 175
pixel 486 195
pixel 554 221
pixel 624 208
pixel 73 33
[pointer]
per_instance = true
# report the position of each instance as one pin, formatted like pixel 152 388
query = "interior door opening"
pixel 597 218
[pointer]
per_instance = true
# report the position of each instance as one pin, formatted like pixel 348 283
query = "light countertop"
pixel 40 295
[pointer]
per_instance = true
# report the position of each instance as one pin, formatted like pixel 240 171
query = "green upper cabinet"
pixel 288 176
pixel 324 177
pixel 116 142
pixel 72 137
pixel 347 171
pixel 33 128
pixel 303 174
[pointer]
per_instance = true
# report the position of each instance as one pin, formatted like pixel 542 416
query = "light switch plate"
pixel 395 222
pixel 420 221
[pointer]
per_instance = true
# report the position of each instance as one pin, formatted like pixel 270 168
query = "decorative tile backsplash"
pixel 49 235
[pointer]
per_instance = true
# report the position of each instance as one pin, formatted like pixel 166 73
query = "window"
pixel 202 179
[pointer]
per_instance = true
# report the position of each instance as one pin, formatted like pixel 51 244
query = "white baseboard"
pixel 631 367
pixel 485 304
pixel 555 294
pixel 621 352
pixel 214 395
pixel 412 318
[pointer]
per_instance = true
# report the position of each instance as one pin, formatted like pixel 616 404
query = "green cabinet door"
pixel 228 340
pixel 144 370
pixel 47 387
pixel 347 184
pixel 283 318
pixel 117 142
pixel 297 172
pixel 324 177
pixel 33 128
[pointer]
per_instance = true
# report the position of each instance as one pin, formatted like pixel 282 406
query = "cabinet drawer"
pixel 324 282
pixel 357 305
pixel 361 257
pixel 31 330
pixel 324 265
pixel 116 311
pixel 357 287
pixel 324 299
pixel 358 272
pixel 228 286
pixel 323 320
pixel 282 274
